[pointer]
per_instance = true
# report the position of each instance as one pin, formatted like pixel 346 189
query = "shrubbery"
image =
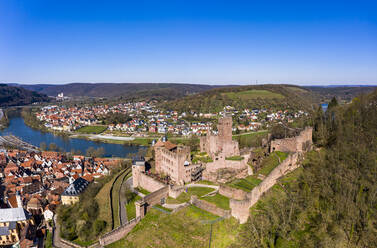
pixel 80 221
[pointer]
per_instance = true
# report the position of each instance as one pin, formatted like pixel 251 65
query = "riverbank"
pixel 4 122
pixel 64 143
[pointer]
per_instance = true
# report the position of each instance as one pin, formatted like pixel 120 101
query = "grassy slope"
pixel 130 207
pixel 269 163
pixel 181 229
pixel 103 201
pixel 116 189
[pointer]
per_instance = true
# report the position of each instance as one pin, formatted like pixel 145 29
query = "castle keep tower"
pixel 225 130
pixel 221 145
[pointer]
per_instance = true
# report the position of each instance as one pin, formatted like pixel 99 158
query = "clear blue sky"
pixel 216 42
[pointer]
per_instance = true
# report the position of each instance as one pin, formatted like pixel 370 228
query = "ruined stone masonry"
pixel 300 143
pixel 296 146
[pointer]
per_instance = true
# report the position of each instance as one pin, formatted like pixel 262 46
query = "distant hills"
pixel 241 97
pixel 164 91
pixel 205 98
pixel 15 96
pixel 342 92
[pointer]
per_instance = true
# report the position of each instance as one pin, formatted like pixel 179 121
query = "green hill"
pixel 15 96
pixel 253 96
pixel 164 91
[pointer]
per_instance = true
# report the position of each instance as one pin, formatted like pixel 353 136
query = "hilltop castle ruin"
pixel 220 146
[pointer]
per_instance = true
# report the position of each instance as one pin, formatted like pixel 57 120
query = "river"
pixel 35 137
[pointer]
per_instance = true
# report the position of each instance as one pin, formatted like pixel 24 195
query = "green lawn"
pixel 92 129
pixel 186 196
pixel 130 207
pixel 246 184
pixel 269 163
pixel 253 94
pixel 220 201
pixel 185 228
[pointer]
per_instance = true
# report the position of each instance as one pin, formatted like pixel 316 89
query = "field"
pixel 186 228
pixel 92 129
pixel 246 184
pixel 253 94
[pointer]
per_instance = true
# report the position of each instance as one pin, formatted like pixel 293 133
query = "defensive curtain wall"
pixel 240 208
pixel 118 233
pixel 157 197
pixel 232 193
pixel 300 143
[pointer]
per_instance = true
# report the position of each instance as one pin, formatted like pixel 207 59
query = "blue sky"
pixel 214 42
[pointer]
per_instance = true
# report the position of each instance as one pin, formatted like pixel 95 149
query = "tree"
pixel 90 152
pixel 100 151
pixel 333 103
pixel 43 146
pixel 53 147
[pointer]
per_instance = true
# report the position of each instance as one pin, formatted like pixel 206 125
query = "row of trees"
pixel 333 202
pixel 90 152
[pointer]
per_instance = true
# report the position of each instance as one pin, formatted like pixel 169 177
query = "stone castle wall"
pixel 149 183
pixel 223 163
pixel 118 233
pixel 209 207
pixel 232 193
pixel 175 191
pixel 294 144
pixel 156 196
pixel 240 209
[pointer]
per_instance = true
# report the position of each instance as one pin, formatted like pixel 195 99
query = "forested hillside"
pixel 13 96
pixel 240 97
pixel 126 90
pixel 332 200
pixel 343 93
